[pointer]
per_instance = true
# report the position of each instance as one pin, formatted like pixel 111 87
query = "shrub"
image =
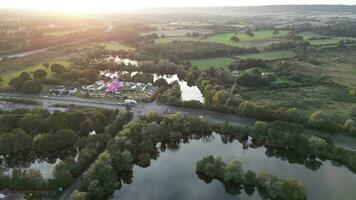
pixel 319 120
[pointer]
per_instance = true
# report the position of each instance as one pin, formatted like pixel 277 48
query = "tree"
pixel 100 179
pixel 317 145
pixel 16 83
pixel 65 137
pixel 235 39
pixel 79 195
pixel 31 87
pixel 348 125
pixel 144 160
pixel 250 178
pixel 57 68
pixel 160 82
pixel 86 126
pixel 62 175
pixel 46 65
pixel 39 74
pixel 233 172
pixel 122 160
pixel 221 97
pixel 25 76
pixel 14 142
pixel 319 120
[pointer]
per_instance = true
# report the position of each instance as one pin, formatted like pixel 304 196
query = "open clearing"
pixel 172 39
pixel 339 65
pixel 61 32
pixel 212 62
pixel 260 39
pixel 8 75
pixel 268 56
pixel 320 42
pixel 308 99
pixel 116 46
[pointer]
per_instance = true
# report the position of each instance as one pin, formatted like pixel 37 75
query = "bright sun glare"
pixel 85 6
pixel 72 6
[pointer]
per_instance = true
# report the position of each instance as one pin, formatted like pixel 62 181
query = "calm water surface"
pixel 172 176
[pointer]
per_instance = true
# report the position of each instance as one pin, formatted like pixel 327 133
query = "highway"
pixel 142 108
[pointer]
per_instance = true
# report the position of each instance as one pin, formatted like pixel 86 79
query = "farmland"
pixel 8 75
pixel 260 39
pixel 269 56
pixel 212 62
pixel 115 46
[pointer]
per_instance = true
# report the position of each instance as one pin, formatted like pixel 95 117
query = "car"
pixel 130 102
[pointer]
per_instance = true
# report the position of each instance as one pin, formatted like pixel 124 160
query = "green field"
pixel 338 65
pixel 319 42
pixel 212 62
pixel 172 39
pixel 273 55
pixel 8 75
pixel 61 32
pixel 260 39
pixel 116 46
pixel 308 99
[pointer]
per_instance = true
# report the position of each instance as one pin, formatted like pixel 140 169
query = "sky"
pixel 112 5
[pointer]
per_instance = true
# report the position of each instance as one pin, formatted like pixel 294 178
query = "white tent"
pixel 2 196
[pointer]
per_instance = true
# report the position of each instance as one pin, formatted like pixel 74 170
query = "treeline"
pixel 42 131
pixel 316 120
pixel 179 51
pixel 233 177
pixel 89 146
pixel 216 84
pixel 137 143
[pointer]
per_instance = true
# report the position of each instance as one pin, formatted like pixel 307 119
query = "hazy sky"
pixel 102 5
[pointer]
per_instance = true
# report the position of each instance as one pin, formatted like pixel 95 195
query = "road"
pixel 142 108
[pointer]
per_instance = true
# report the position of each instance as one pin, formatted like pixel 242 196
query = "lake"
pixel 172 176
pixel 45 164
pixel 188 92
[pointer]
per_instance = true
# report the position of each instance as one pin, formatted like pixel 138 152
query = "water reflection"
pixel 188 92
pixel 44 163
pixel 124 61
pixel 172 175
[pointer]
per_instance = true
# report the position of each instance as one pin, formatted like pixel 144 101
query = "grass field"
pixel 339 65
pixel 319 42
pixel 61 32
pixel 307 99
pixel 273 55
pixel 116 46
pixel 212 62
pixel 8 75
pixel 171 39
pixel 260 39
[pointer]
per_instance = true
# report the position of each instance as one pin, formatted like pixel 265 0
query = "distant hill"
pixel 257 9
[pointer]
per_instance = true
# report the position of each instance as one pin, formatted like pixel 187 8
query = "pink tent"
pixel 115 86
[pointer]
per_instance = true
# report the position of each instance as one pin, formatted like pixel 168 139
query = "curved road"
pixel 141 108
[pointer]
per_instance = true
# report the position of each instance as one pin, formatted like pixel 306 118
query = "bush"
pixel 261 127
pixel 319 120
pixel 348 125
